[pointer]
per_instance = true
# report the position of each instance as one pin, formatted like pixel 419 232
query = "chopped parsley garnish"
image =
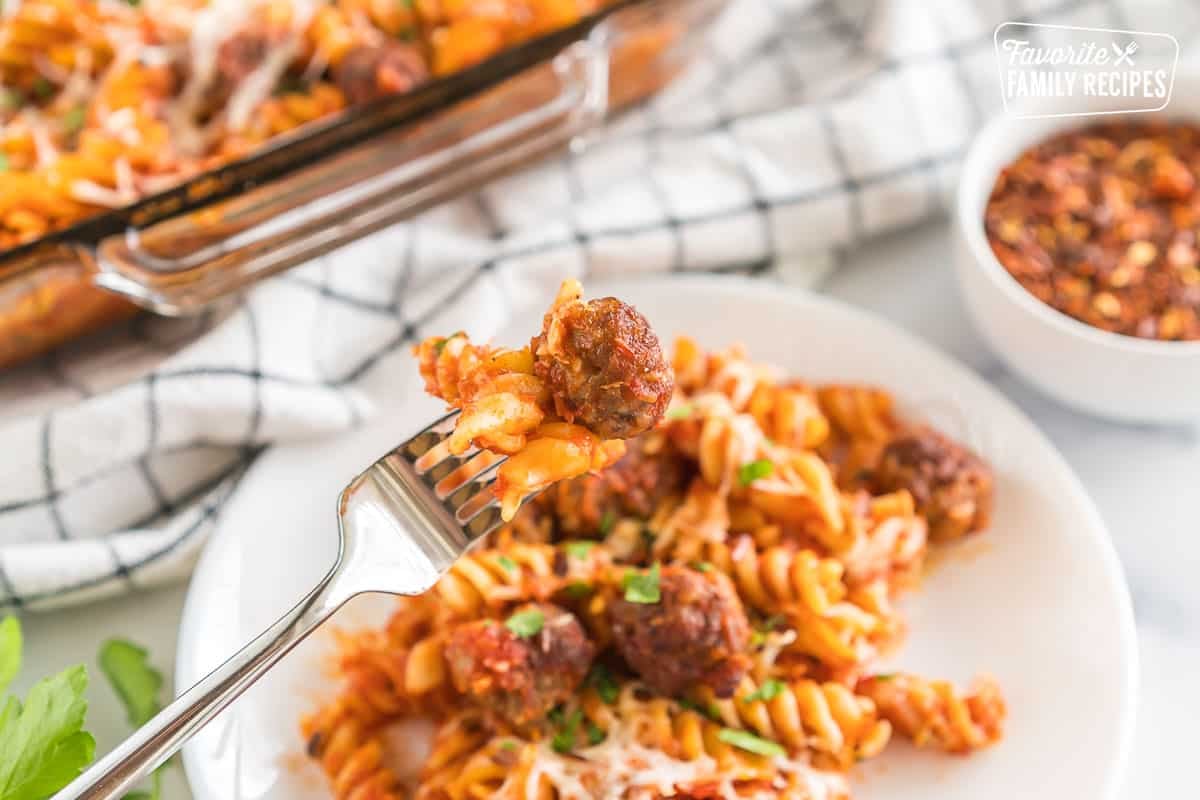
pixel 751 743
pixel 772 622
pixel 594 734
pixel 43 88
pixel 702 566
pixel 711 711
pixel 507 563
pixel 749 473
pixel 577 590
pixel 607 521
pixel 73 120
pixel 578 549
pixel 405 3
pixel 3 162
pixel 564 740
pixel 526 623
pixel 642 587
pixel 770 689
pixel 886 676
pixel 681 412
pixel 508 744
pixel 602 680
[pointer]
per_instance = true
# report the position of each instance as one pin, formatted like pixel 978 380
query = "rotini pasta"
pixel 700 620
pixel 597 363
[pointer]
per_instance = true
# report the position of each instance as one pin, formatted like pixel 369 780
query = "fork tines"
pixel 462 482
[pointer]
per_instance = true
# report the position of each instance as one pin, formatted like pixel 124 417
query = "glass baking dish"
pixel 334 181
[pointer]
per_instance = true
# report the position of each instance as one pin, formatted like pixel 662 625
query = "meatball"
pixel 237 57
pixel 696 633
pixel 520 677
pixel 370 71
pixel 650 470
pixel 604 367
pixel 951 485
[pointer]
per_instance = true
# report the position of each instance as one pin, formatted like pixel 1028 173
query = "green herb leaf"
pixel 681 412
pixel 440 345
pixel 757 638
pixel 136 683
pixel 886 676
pixel 3 162
pixel 508 744
pixel 10 651
pixel 601 679
pixel 507 563
pixel 577 590
pixel 11 100
pixel 711 711
pixel 751 743
pixel 594 734
pixel 769 690
pixel 526 623
pixel 643 587
pixel 405 3
pixel 564 740
pixel 772 622
pixel 702 566
pixel 42 88
pixel 607 521
pixel 43 746
pixel 72 120
pixel 578 549
pixel 749 473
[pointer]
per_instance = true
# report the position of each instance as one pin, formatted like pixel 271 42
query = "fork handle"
pixel 159 739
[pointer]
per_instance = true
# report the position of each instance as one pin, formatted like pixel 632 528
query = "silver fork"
pixel 401 524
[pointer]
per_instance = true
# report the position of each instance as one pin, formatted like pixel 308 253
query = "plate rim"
pixel 758 289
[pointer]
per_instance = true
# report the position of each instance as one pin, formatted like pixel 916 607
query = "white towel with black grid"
pixel 804 128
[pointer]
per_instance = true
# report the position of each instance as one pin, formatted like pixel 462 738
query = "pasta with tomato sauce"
pixel 703 618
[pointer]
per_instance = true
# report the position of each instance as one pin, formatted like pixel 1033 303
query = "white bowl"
pixel 1103 373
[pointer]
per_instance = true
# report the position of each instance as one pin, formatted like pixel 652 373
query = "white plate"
pixel 1039 601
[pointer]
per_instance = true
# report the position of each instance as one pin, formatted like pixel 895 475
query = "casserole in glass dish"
pixel 123 185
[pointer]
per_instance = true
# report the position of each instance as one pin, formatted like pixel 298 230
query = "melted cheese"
pixel 621 767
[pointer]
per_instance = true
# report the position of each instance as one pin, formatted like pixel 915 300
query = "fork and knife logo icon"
pixel 1124 56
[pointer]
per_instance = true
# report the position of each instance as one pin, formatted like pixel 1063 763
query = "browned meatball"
pixel 951 485
pixel 695 634
pixel 370 71
pixel 604 366
pixel 237 57
pixel 520 677
pixel 649 471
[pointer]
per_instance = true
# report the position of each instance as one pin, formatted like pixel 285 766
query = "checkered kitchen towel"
pixel 804 127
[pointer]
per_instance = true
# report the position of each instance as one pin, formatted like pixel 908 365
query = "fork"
pixel 401 524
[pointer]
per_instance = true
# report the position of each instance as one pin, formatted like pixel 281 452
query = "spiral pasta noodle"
pixel 702 619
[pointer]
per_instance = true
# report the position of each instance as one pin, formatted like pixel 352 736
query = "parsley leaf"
pixel 10 651
pixel 72 120
pixel 578 549
pixel 564 740
pixel 769 690
pixel 702 566
pixel 508 744
pixel 577 590
pixel 607 521
pixel 137 684
pixel 507 564
pixel 43 746
pixel 3 162
pixel 885 676
pixel 526 623
pixel 440 345
pixel 43 88
pixel 750 743
pixel 711 711
pixel 749 473
pixel 594 734
pixel 680 412
pixel 642 587
pixel 601 679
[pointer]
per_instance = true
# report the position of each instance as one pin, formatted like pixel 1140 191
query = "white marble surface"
pixel 1143 479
